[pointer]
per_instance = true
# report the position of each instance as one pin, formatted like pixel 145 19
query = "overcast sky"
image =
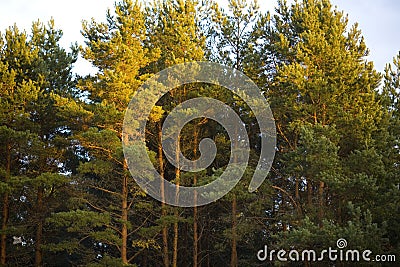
pixel 378 19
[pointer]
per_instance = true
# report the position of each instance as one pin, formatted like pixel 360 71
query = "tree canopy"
pixel 68 197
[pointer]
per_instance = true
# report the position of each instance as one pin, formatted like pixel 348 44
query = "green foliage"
pixel 34 69
pixel 64 183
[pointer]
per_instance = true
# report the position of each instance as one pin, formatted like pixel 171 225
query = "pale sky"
pixel 378 21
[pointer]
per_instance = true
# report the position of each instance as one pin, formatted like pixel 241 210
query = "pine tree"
pixel 325 102
pixel 390 197
pixel 37 71
pixel 116 49
pixel 17 99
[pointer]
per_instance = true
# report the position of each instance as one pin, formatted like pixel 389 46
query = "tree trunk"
pixel 39 229
pixel 163 206
pixel 175 242
pixel 195 226
pixel 195 235
pixel 165 239
pixel 5 211
pixel 176 211
pixel 124 217
pixel 234 261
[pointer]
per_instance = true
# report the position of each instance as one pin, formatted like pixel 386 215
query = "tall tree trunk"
pixel 163 205
pixel 176 210
pixel 124 217
pixel 234 261
pixel 5 211
pixel 175 241
pixel 195 226
pixel 195 235
pixel 39 229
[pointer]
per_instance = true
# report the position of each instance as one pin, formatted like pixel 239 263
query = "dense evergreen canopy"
pixel 68 198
